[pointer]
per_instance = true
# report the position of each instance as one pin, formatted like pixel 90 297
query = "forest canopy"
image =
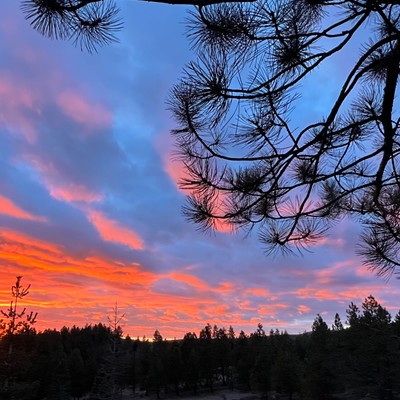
pixel 99 362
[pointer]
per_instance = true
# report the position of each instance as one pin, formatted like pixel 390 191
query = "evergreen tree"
pixel 77 374
pixel 15 322
pixel 374 315
pixel 191 361
pixel 353 315
pixel 286 371
pixel 49 367
pixel 231 333
pixel 207 359
pixel 174 366
pixel 260 375
pixel 319 378
pixel 337 324
pixel 156 378
pixel 157 338
pixel 243 360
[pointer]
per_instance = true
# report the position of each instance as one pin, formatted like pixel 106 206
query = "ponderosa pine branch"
pixel 290 184
pixel 247 164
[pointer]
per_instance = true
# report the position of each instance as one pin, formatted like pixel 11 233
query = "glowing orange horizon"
pixel 68 290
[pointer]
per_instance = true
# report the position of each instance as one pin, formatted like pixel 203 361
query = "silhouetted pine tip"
pixel 48 17
pixel 88 24
pixel 98 25
pixel 221 27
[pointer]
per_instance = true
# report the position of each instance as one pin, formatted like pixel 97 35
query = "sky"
pixel 90 211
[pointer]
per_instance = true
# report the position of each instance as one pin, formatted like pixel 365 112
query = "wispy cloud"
pixel 113 231
pixel 8 207
pixel 92 115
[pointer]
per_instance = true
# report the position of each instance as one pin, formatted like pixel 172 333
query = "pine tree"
pixel 353 315
pixel 319 376
pixel 337 324
pixel 374 315
pixel 13 323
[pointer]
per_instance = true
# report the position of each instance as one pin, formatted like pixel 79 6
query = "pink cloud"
pixel 337 243
pixel 257 292
pixel 328 276
pixel 317 294
pixel 272 310
pixel 223 226
pixel 75 106
pixel 74 192
pixel 361 293
pixel 303 309
pixel 363 270
pixel 16 94
pixel 53 179
pixel 173 167
pixel 14 99
pixel 8 207
pixel 226 287
pixel 176 171
pixel 112 231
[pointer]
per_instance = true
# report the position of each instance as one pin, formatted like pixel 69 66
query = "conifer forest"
pixel 358 358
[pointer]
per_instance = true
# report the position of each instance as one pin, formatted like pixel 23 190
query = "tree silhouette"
pixel 337 324
pixel 88 23
pixel 14 320
pixel 248 165
pixel 13 323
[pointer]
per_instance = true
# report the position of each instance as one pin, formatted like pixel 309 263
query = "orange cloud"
pixel 93 115
pixel 257 292
pixel 190 280
pixel 221 310
pixel 7 207
pixel 111 231
pixel 68 289
pixel 224 288
pixel 14 240
pixel 61 280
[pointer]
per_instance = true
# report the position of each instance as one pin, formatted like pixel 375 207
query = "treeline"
pixel 98 362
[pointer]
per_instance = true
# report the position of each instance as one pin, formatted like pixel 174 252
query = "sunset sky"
pixel 90 212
